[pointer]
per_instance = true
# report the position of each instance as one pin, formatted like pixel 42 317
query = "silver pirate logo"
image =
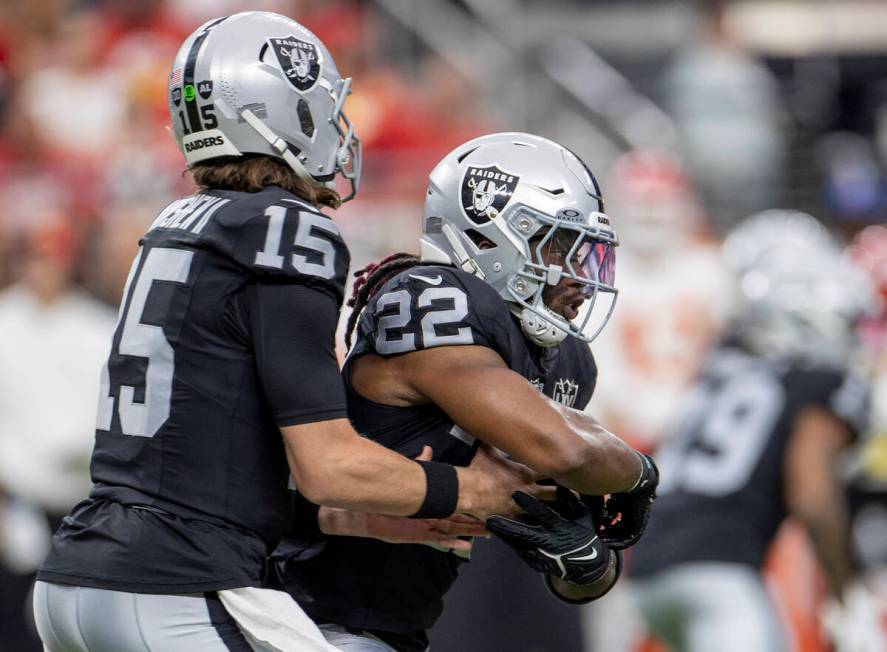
pixel 565 392
pixel 299 60
pixel 486 191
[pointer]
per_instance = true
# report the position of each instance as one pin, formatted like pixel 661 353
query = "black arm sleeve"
pixel 293 330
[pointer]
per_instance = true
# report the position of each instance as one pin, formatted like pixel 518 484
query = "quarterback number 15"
pixel 269 255
pixel 140 340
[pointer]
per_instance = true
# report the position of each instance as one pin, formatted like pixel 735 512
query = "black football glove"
pixel 624 516
pixel 569 548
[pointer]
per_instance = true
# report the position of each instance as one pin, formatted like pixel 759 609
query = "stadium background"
pixel 768 104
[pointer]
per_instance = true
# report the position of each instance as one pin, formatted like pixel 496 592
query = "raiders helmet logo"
pixel 486 191
pixel 299 60
pixel 565 392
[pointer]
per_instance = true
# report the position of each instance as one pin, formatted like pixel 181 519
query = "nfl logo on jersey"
pixel 565 392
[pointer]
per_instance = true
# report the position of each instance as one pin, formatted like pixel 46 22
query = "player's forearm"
pixel 334 466
pixel 341 522
pixel 813 491
pixel 606 464
pixel 500 407
pixel 825 519
pixel 353 477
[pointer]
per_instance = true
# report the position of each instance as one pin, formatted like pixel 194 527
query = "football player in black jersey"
pixel 225 341
pixel 483 338
pixel 763 428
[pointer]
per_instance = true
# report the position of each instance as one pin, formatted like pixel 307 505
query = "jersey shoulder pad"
pixel 429 306
pixel 274 234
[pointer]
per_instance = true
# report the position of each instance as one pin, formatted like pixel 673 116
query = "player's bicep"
pixel 817 438
pixel 293 332
pixel 475 388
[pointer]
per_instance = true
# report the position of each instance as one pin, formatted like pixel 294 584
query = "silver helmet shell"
pixel 798 296
pixel 495 202
pixel 260 83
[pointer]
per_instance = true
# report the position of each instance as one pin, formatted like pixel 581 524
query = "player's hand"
pixel 624 516
pixel 491 479
pixel 565 547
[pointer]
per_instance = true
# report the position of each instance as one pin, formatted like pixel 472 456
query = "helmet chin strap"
pixel 539 330
pixel 279 144
pixel 465 262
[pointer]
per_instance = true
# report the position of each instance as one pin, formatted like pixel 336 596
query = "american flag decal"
pixel 175 77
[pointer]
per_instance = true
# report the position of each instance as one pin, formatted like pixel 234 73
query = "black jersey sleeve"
pixel 845 394
pixel 292 330
pixel 851 401
pixel 272 235
pixel 426 307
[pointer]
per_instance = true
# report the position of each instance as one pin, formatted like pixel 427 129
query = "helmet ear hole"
pixel 479 239
pixel 305 119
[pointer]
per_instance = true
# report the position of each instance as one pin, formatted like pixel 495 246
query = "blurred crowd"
pixel 86 163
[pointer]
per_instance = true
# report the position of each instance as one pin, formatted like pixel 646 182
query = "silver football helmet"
pixel 798 296
pixel 526 215
pixel 260 83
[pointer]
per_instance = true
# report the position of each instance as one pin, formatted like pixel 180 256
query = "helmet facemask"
pixel 349 156
pixel 566 283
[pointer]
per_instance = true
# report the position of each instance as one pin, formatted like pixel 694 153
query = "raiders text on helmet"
pixel 497 201
pixel 260 83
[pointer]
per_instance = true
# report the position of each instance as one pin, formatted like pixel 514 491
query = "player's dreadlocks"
pixel 369 279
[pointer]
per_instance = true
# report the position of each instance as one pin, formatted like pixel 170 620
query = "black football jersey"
pixel 190 476
pixel 368 584
pixel 721 496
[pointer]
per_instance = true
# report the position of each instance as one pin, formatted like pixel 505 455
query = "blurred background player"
pixel 761 436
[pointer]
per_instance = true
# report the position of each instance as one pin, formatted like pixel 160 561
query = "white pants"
pixel 82 619
pixel 347 642
pixel 708 606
